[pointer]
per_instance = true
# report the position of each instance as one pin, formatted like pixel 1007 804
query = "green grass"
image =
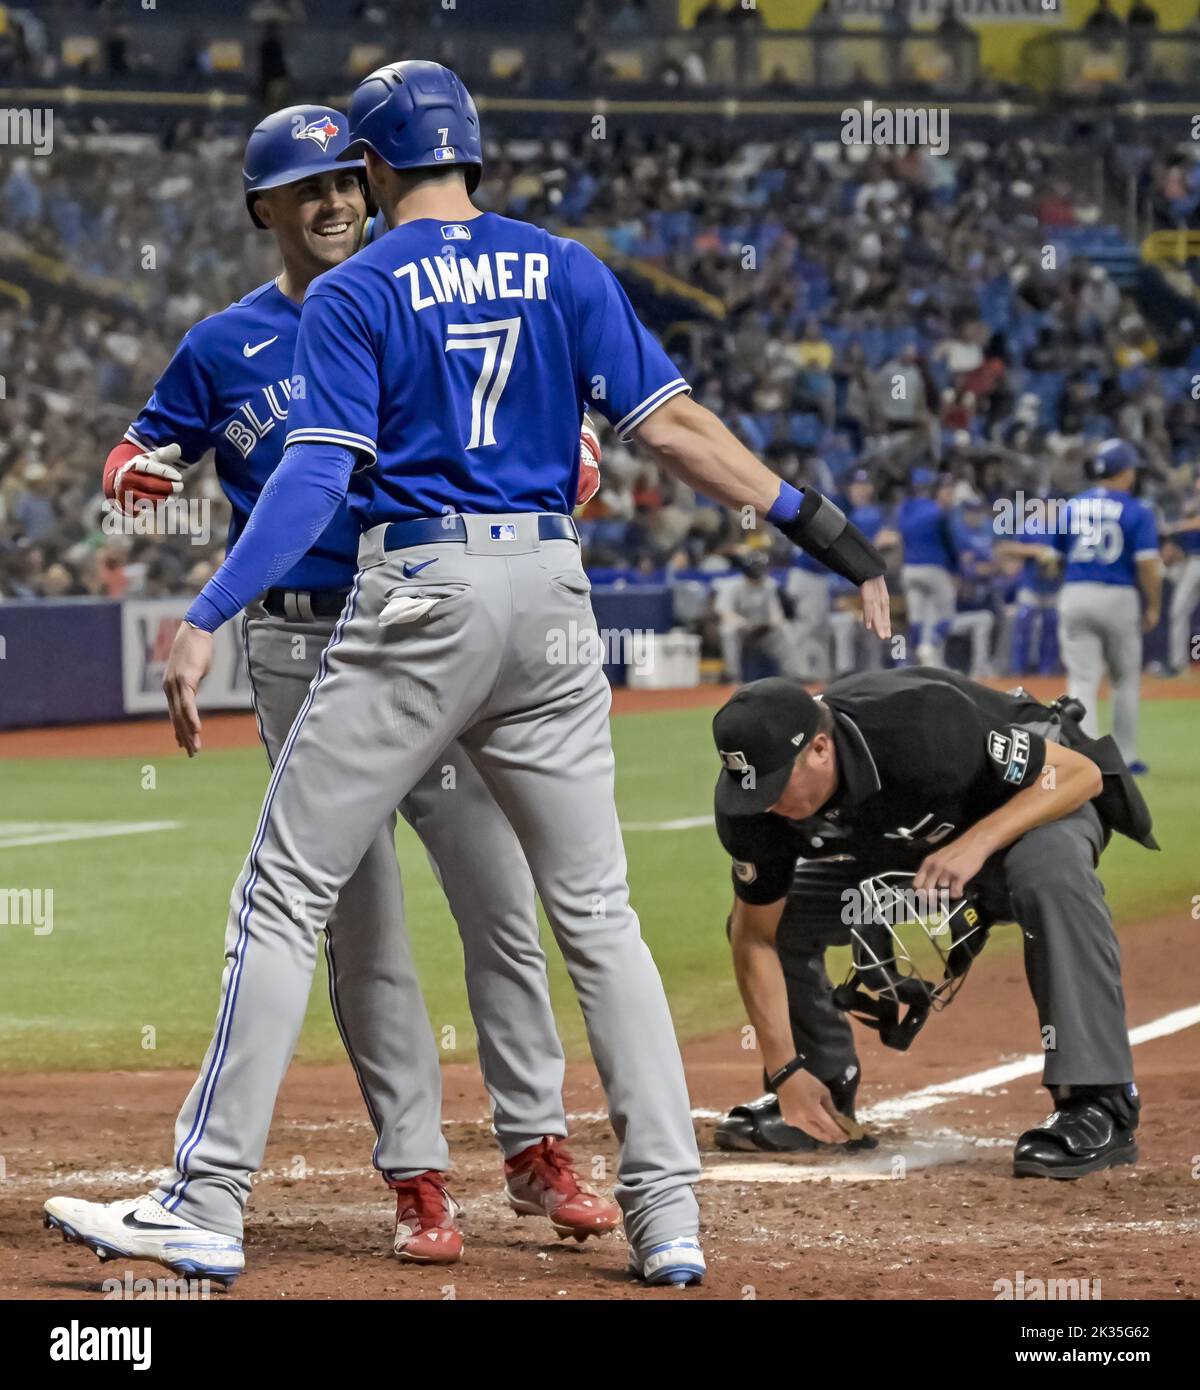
pixel 139 921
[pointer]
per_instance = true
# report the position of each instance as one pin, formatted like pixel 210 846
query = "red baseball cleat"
pixel 542 1181
pixel 425 1217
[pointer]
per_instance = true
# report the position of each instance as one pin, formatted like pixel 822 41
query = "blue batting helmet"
pixel 294 144
pixel 1113 456
pixel 416 115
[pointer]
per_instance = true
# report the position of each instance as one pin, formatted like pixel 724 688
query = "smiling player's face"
pixel 316 221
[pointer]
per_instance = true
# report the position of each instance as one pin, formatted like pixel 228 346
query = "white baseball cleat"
pixel 143 1229
pixel 671 1262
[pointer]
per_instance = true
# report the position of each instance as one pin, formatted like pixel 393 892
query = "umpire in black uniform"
pixel 977 793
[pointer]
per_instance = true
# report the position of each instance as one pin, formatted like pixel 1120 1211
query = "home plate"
pixel 884 1164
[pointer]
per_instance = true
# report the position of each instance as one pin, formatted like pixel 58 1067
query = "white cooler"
pixel 664 661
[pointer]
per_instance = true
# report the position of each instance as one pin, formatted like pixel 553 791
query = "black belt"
pixel 431 530
pixel 301 606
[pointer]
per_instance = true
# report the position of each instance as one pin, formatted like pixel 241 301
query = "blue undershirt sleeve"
pixel 294 508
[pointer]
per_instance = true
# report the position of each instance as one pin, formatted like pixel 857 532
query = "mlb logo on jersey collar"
pixel 455 231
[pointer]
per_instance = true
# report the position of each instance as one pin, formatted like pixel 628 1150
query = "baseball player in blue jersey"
pixel 439 380
pixel 930 569
pixel 1035 622
pixel 227 389
pixel 1109 541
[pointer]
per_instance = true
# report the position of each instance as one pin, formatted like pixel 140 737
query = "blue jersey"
pixel 1036 578
pixel 227 389
pixel 868 519
pixel 1103 534
pixel 455 359
pixel 927 534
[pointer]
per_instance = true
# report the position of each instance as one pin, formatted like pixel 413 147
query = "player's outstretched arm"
pixel 691 443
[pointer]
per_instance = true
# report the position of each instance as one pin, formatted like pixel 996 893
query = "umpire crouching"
pixel 977 793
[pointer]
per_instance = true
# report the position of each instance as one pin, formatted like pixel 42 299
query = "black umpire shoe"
pixel 1092 1128
pixel 759 1126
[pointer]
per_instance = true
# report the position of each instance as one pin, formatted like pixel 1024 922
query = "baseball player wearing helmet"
pixel 441 375
pixel 973 793
pixel 1109 542
pixel 227 389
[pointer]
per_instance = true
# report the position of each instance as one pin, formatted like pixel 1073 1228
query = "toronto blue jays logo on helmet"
pixel 320 131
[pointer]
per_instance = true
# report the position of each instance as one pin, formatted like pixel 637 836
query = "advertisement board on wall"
pixel 147 631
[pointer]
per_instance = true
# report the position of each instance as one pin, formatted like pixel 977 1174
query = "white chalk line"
pixel 979 1082
pixel 684 823
pixel 16 833
pixel 863 1169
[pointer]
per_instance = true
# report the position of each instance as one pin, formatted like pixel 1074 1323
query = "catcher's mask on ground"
pixel 885 978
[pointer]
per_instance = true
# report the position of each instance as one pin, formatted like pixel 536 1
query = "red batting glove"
pixel 133 474
pixel 589 463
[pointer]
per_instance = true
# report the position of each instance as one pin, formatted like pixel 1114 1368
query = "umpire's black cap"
pixel 759 733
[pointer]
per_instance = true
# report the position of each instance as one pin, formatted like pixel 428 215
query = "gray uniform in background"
pixel 1183 604
pixel 930 598
pixel 473 667
pixel 1100 629
pixel 376 998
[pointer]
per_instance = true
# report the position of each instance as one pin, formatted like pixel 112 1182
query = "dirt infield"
pixel 136 738
pixel 935 1213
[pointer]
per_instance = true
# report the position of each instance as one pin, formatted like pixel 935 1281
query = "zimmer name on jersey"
pixel 452 279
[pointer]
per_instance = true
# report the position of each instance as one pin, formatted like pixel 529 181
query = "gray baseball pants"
pixel 1184 600
pixel 374 992
pixel 1100 628
pixel 389 695
pixel 930 598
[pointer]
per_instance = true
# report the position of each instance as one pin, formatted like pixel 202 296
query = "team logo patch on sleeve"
pixel 1011 752
pixel 745 873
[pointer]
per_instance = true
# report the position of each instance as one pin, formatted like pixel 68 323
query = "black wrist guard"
pixel 820 528
pixel 773 1080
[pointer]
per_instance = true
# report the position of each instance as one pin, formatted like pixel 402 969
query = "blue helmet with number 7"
pixel 416 115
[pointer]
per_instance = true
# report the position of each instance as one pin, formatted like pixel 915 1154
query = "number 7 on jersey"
pixel 498 343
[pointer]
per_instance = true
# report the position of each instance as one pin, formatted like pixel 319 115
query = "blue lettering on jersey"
pixel 228 388
pixel 462 375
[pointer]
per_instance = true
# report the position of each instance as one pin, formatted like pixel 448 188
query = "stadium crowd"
pixel 890 328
